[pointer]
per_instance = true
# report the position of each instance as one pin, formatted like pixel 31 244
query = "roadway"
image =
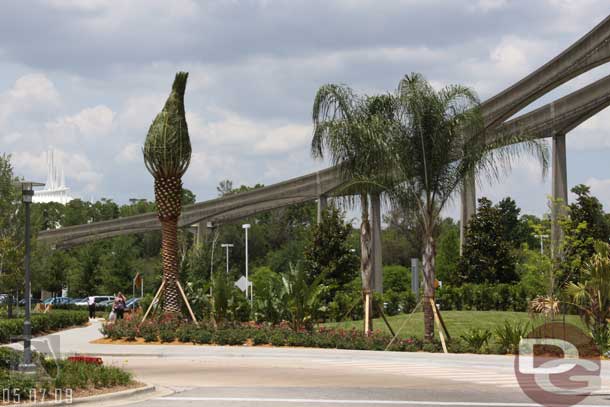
pixel 263 376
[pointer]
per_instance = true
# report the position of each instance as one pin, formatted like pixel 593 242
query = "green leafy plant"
pixel 592 296
pixel 302 299
pixel 509 335
pixel 477 338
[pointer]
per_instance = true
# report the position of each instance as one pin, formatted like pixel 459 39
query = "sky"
pixel 87 77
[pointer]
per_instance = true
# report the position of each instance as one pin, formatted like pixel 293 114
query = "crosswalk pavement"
pixel 486 376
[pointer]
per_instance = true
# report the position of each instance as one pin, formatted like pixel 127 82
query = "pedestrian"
pixel 91 304
pixel 119 305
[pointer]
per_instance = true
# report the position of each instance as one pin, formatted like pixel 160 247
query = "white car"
pixel 98 299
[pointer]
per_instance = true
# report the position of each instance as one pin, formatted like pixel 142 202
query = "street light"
pixel 212 228
pixel 541 242
pixel 27 193
pixel 246 227
pixel 227 246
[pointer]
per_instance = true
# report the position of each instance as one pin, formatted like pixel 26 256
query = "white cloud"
pixel 89 123
pixel 30 92
pixel 130 153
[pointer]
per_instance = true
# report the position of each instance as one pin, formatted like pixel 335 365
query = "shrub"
pixel 202 337
pixel 167 335
pixel 55 320
pixel 476 339
pixel 148 330
pixel 509 335
pixel 186 333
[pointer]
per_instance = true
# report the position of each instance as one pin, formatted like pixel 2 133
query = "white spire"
pixel 55 189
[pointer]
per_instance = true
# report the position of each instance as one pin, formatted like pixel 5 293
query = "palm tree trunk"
pixel 366 263
pixel 429 276
pixel 169 253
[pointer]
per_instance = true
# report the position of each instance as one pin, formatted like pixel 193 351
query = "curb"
pixel 97 398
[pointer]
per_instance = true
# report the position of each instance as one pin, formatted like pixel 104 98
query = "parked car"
pixel 73 301
pixel 34 301
pixel 106 303
pixel 98 299
pixel 132 304
pixel 56 301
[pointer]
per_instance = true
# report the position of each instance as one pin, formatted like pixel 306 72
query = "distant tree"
pixel 116 266
pixel 188 197
pixel 329 252
pixel 515 230
pixel 586 223
pixel 448 251
pixel 224 187
pixel 487 257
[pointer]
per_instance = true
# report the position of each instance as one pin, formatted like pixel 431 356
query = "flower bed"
pixel 41 323
pixel 55 380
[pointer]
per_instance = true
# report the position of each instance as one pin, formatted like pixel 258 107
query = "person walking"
pixel 91 304
pixel 119 305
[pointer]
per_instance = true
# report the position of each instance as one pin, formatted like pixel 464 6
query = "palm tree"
pixel 352 131
pixel 439 141
pixel 167 155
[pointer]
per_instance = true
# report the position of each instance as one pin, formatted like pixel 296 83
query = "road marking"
pixel 331 401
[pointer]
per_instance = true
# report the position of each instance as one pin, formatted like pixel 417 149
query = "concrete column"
pixel 415 277
pixel 376 236
pixel 322 204
pixel 469 206
pixel 201 233
pixel 559 191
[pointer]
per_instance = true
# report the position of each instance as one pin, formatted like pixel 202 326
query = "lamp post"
pixel 27 193
pixel 227 246
pixel 246 227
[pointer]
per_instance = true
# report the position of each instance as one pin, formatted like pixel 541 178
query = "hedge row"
pixel 41 323
pixel 485 297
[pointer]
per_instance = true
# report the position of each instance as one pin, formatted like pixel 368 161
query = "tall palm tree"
pixel 438 142
pixel 167 155
pixel 351 130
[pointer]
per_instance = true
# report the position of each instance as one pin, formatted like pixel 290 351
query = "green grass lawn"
pixel 458 322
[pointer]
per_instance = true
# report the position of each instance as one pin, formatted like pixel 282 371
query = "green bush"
pixel 167 335
pixel 149 331
pixel 486 297
pixel 202 337
pixel 186 333
pixel 509 335
pixel 476 339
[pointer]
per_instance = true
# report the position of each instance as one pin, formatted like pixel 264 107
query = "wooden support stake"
pixel 438 325
pixel 186 301
pixel 440 318
pixel 155 300
pixel 380 310
pixel 366 313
